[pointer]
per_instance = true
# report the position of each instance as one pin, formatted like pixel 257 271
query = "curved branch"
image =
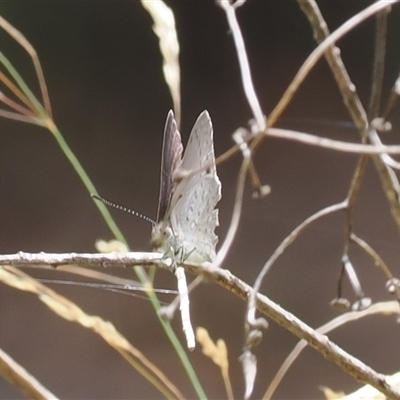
pixel 226 279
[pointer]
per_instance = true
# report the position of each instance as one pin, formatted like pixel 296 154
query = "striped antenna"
pixel 125 209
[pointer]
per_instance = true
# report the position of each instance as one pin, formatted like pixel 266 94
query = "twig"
pixel 351 100
pixel 230 7
pixel 237 207
pixel 332 144
pixel 351 198
pixel 377 261
pixel 379 65
pixel 373 254
pixel 321 343
pixel 224 278
pixel 348 268
pixel 251 307
pixel 247 81
pixel 378 308
pixel 92 260
pixel 311 140
pixel 393 99
pixel 169 310
pixel 184 307
pixel 353 103
pixel 326 42
pixel 71 312
pixel 22 379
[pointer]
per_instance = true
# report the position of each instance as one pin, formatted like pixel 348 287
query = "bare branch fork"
pixel 226 279
pixel 350 97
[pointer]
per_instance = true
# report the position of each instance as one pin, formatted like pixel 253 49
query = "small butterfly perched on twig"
pixel 186 217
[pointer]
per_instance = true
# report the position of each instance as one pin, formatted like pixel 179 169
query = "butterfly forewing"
pixel 170 161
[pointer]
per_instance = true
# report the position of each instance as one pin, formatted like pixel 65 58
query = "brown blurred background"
pixel 103 69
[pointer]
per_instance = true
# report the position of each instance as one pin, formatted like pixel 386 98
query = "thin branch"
pixel 224 278
pixel 332 144
pixel 92 260
pixel 373 254
pixel 390 162
pixel 385 308
pixel 71 312
pixel 247 81
pixel 377 261
pixel 312 140
pixel 388 178
pixel 288 321
pixel 348 268
pixel 237 207
pixel 22 379
pixel 184 306
pixel 326 42
pixel 393 99
pixel 230 7
pixel 251 308
pixel 351 198
pixel 379 64
pixel 169 310
pixel 321 33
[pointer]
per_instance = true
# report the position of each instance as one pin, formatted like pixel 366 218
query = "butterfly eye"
pixel 159 235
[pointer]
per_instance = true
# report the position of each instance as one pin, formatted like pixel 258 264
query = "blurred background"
pixel 102 65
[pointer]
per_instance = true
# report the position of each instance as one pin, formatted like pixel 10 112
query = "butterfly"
pixel 186 216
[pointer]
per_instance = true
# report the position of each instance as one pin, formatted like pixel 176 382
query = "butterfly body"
pixel 187 217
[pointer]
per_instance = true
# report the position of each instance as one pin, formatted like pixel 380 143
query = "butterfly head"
pixel 161 237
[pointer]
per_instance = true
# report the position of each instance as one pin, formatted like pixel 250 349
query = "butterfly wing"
pixel 193 215
pixel 170 161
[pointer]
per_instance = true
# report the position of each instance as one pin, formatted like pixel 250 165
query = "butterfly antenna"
pixel 121 208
